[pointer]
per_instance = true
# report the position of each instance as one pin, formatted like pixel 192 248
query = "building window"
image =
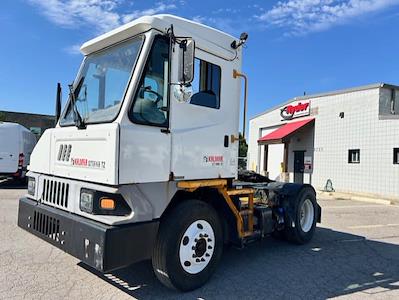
pixel 393 103
pixel 389 103
pixel 206 84
pixel 396 156
pixel 354 156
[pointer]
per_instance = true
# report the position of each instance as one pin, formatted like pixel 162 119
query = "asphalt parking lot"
pixel 354 255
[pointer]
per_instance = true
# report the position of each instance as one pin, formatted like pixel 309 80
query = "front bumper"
pixel 103 247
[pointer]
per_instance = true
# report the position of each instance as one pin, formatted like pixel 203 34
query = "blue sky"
pixel 293 47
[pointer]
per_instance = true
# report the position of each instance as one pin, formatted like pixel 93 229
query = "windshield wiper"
pixel 79 121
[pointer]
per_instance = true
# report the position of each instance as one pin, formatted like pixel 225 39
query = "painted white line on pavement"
pixel 358 206
pixel 373 226
pixel 360 239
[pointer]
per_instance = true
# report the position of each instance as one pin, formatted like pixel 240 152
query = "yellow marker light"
pixel 107 203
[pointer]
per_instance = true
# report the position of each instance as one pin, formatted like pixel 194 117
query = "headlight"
pixel 86 201
pixel 101 203
pixel 31 186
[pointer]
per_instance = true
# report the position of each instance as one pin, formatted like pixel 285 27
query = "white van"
pixel 16 146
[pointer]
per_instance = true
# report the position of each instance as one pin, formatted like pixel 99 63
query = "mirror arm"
pixel 58 103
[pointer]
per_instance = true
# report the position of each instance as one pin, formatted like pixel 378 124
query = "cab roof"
pixel 208 38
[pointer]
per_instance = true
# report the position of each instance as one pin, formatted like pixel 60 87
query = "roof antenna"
pixel 243 39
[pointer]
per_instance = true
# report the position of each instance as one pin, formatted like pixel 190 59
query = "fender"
pixel 285 196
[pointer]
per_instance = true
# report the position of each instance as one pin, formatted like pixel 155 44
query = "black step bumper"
pixel 103 247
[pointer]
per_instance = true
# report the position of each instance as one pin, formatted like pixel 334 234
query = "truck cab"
pixel 144 155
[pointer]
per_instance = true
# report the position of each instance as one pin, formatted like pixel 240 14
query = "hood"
pixel 90 154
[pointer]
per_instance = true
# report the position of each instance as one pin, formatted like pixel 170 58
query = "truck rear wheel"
pixel 306 212
pixel 189 246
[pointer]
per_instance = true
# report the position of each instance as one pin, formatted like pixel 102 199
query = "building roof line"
pixel 332 93
pixel 25 113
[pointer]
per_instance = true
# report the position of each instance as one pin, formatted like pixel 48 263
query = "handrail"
pixel 235 75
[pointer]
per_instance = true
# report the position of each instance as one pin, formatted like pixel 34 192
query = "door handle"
pixel 226 141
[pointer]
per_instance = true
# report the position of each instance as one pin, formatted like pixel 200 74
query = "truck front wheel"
pixel 189 245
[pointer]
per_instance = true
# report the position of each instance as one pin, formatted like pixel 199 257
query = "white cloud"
pixel 304 16
pixel 74 13
pixel 227 10
pixel 200 19
pixel 228 25
pixel 102 15
pixel 160 7
pixel 73 50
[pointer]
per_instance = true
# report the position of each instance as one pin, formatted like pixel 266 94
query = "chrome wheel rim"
pixel 306 215
pixel 197 246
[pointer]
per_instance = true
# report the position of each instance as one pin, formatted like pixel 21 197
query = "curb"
pixel 342 196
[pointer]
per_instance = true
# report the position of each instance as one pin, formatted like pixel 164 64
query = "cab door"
pixel 144 138
pixel 201 127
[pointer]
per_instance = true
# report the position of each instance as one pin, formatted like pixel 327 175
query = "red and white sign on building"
pixel 295 110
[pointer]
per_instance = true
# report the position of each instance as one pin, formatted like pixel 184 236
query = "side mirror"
pixel 186 61
pixel 58 103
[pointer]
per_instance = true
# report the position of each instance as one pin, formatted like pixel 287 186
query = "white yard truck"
pixel 16 146
pixel 143 161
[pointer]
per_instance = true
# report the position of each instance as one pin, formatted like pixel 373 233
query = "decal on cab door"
pixel 213 160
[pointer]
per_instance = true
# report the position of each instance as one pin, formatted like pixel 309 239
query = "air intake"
pixel 64 152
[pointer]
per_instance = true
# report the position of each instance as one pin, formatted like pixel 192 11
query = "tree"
pixel 243 147
pixel 242 153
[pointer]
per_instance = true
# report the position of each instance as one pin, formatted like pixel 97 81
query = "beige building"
pixel 346 139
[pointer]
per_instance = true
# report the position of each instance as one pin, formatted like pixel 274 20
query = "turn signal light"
pixel 21 160
pixel 107 203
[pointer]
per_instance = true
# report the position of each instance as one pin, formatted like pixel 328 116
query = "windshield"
pixel 102 82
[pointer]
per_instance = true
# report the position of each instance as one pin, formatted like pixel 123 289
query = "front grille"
pixel 55 193
pixel 46 225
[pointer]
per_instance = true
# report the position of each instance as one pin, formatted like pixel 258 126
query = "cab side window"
pixel 151 100
pixel 206 84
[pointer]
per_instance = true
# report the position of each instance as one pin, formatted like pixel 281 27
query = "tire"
pixel 22 180
pixel 306 212
pixel 184 237
pixel 278 235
